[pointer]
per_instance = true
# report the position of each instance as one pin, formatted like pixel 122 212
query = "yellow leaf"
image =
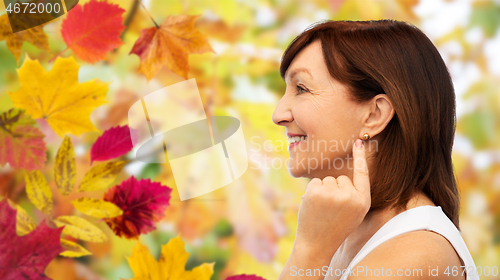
pixel 24 222
pixel 64 167
pixel 73 250
pixel 170 266
pixel 143 264
pixel 80 228
pixel 38 191
pixel 101 175
pixel 15 41
pixel 57 96
pixel 96 207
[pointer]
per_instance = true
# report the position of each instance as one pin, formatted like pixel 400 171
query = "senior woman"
pixel 385 207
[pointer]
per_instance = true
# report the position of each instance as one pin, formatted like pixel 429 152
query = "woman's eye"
pixel 301 89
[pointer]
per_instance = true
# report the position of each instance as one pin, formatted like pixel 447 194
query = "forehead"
pixel 308 61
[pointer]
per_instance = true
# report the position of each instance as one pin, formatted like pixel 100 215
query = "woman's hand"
pixel 332 208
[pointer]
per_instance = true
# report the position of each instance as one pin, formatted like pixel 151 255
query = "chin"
pixel 301 173
pixel 297 173
pixel 293 172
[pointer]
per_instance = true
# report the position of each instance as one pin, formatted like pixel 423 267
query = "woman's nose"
pixel 283 114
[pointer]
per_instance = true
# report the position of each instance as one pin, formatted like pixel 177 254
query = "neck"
pixel 374 220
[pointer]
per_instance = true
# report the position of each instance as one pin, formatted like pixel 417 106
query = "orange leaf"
pixel 169 46
pixel 15 41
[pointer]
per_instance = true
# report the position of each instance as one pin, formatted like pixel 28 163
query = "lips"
pixel 295 139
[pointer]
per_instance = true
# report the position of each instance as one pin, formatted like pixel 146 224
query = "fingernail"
pixel 359 143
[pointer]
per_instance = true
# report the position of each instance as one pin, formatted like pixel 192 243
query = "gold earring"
pixel 366 136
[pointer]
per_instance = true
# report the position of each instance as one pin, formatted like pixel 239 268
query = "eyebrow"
pixel 297 70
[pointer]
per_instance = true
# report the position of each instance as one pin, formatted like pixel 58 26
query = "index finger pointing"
pixel 360 178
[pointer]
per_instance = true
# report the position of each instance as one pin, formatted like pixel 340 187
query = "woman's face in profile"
pixel 320 120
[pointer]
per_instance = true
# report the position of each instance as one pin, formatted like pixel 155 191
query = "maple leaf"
pixel 143 202
pixel 171 264
pixel 93 30
pixel 245 277
pixel 113 143
pixel 15 41
pixel 57 96
pixel 169 45
pixel 25 257
pixel 21 143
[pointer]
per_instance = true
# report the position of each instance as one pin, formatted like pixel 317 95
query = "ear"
pixel 378 114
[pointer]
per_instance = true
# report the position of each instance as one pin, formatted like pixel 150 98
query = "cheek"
pixel 310 117
pixel 331 123
pixel 333 134
pixel 327 118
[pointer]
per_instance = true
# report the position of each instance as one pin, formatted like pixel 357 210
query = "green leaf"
pixel 486 14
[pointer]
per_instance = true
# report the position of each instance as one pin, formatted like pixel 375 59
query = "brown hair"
pixel 397 59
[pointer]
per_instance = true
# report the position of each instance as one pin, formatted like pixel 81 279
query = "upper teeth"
pixel 294 139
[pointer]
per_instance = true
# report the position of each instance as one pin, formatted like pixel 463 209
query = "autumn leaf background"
pixel 63 169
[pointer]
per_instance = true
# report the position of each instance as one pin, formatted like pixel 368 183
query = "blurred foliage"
pixel 249 225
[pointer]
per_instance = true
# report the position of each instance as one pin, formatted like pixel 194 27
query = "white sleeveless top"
pixel 420 218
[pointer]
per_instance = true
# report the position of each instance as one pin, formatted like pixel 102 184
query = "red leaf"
pixel 245 277
pixel 21 143
pixel 25 257
pixel 93 30
pixel 143 203
pixel 113 143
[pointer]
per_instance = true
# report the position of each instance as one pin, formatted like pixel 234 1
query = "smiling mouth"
pixel 296 139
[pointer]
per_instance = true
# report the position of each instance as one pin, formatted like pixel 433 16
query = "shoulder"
pixel 413 255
